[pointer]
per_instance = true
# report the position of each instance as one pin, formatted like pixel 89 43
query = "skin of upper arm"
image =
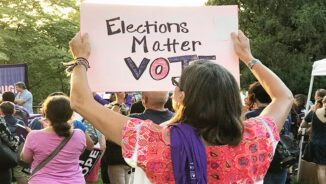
pixel 25 158
pixel 89 142
pixel 108 122
pixel 278 110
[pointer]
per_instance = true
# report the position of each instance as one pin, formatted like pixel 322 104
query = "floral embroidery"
pixel 246 163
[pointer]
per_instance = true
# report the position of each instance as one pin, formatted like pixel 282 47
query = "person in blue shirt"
pixel 24 97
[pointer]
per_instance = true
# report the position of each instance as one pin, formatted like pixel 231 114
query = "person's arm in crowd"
pixel 89 142
pixel 19 102
pixel 281 96
pixel 25 158
pixel 120 98
pixel 306 122
pixel 108 122
pixel 100 100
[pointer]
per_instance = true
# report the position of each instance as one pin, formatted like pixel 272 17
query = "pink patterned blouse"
pixel 147 145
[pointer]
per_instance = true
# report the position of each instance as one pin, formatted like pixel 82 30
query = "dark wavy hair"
pixel 8 96
pixel 7 108
pixel 58 111
pixel 212 103
pixel 257 92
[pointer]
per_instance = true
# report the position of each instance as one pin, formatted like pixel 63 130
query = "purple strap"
pixel 188 155
pixel 128 101
pixel 100 100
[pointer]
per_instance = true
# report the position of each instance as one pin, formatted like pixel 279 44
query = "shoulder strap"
pixel 53 154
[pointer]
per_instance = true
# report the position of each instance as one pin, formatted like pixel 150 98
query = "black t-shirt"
pixel 308 117
pixel 157 117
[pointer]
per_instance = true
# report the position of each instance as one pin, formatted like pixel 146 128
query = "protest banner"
pixel 88 159
pixel 10 74
pixel 140 48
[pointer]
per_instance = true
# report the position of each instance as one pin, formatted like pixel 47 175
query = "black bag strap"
pixel 53 154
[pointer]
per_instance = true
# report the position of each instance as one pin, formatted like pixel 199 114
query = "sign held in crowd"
pixel 140 48
pixel 88 160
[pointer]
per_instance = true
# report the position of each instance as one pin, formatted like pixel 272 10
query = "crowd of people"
pixel 202 133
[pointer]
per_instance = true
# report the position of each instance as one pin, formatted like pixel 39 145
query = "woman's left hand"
pixel 80 46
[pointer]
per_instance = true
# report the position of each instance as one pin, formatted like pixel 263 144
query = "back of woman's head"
pixel 212 103
pixel 256 92
pixel 58 111
pixel 320 93
pixel 300 100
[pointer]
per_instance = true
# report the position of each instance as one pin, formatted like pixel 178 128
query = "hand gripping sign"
pixel 140 48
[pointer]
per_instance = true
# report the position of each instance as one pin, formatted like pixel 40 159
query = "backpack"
pixel 286 154
pixel 93 133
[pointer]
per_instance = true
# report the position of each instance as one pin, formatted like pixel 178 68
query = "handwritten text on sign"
pixel 140 48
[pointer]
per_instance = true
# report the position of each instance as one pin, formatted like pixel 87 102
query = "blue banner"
pixel 10 74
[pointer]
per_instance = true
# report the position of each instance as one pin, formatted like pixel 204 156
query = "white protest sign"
pixel 140 48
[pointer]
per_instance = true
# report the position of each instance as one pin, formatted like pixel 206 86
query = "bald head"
pixel 154 99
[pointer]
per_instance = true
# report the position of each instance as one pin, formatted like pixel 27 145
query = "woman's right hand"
pixel 242 46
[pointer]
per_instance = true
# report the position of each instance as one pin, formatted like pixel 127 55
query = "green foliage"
pixel 37 33
pixel 286 35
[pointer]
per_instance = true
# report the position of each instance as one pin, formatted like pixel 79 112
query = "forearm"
pixel 80 93
pixel 19 102
pixel 273 85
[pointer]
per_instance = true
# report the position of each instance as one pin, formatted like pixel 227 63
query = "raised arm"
pixel 105 120
pixel 281 96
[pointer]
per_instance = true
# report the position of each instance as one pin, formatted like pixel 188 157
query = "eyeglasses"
pixel 175 81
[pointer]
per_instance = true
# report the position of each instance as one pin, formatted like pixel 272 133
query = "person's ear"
pixel 14 111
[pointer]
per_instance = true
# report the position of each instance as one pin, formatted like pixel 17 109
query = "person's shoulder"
pixel 28 92
pixel 79 125
pixel 136 123
pixel 261 126
pixel 250 114
pixel 79 132
pixel 36 133
pixel 136 115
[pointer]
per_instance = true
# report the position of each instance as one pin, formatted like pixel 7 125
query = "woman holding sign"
pixel 206 142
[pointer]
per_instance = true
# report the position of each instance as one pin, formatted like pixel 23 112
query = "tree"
pixel 37 33
pixel 286 35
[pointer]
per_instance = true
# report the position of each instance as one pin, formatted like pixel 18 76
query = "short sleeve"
pixel 28 149
pixel 141 139
pixel 79 125
pixel 308 117
pixel 82 138
pixel 270 125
